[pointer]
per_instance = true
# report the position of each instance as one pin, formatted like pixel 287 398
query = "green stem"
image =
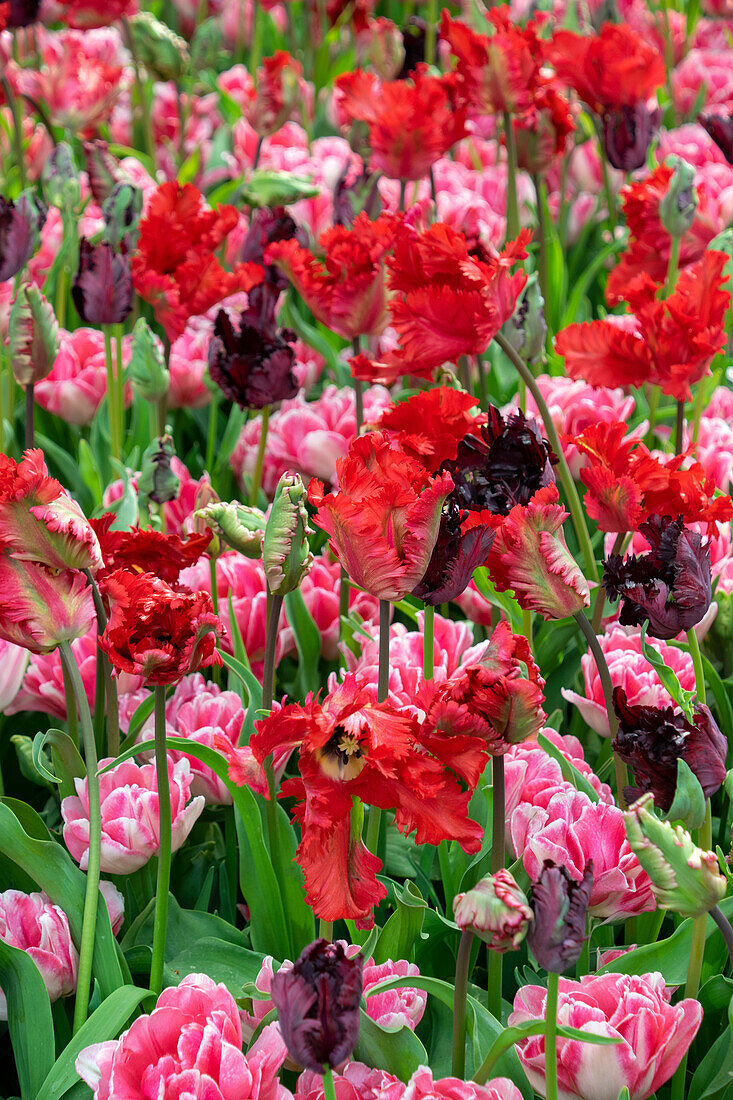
pixel 672 267
pixel 329 1089
pixel 358 389
pixel 255 46
pixel 428 642
pixel 162 885
pixel 325 929
pixel 698 409
pixel 601 592
pixel 553 983
pixel 274 607
pixel 375 814
pixel 725 928
pixel 30 410
pixel 431 19
pixel 654 394
pixel 512 203
pixel 91 897
pixel 622 778
pixel 110 683
pixel 72 718
pixel 403 192
pixel 610 201
pixel 17 129
pixel 259 462
pixel 679 428
pixel 112 414
pixel 148 139
pixel 541 238
pixel 460 998
pixel 120 377
pixel 494 983
pixel 566 480
pixel 343 609
pixel 211 433
pixel 697 665
pixel 694 970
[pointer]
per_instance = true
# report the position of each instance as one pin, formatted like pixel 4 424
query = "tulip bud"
pixel 496 910
pixel 559 904
pixel 237 525
pixel 157 47
pixel 149 375
pixel 627 135
pixel 21 222
pixel 269 188
pixel 677 208
pixel 684 878
pixel 157 482
pixel 102 169
pixel 33 334
pixel 60 178
pixel 121 211
pixel 102 288
pixel 285 551
pixel 206 494
pixel 526 329
pixel 385 52
pixel 318 1003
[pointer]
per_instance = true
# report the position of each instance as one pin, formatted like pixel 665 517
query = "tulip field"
pixel 366 550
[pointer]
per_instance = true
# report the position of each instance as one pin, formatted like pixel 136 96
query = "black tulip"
pixel 102 288
pixel 627 135
pixel 21 222
pixel 559 904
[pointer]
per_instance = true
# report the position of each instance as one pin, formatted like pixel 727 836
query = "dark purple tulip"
pixel 627 135
pixel 720 128
pixel 103 169
pixel 317 1005
pixel 559 904
pixel 21 222
pixel 454 558
pixel 22 13
pixel 503 466
pixel 254 366
pixel 652 740
pixel 349 199
pixel 267 225
pixel 670 586
pixel 102 287
pixel 414 35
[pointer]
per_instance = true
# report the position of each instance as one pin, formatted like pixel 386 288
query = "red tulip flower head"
pixel 279 92
pixel 610 70
pixel 383 522
pixel 157 632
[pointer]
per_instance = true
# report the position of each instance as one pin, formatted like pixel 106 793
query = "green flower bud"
pixel 285 551
pixel 207 46
pixel 677 208
pixel 60 178
pixel 33 336
pixel 235 524
pixel 526 329
pixel 684 878
pixel 164 53
pixel 269 188
pixel 148 373
pixel 157 483
pixel 496 910
pixel 121 211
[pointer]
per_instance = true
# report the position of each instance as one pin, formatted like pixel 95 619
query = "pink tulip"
pixel 715 449
pixel 34 924
pixel 179 512
pixel 655 1035
pixel 13 661
pixel 356 1082
pixel 320 590
pixel 189 1046
pixel 570 831
pixel 77 384
pixel 693 144
pixel 188 361
pixel 130 831
pixel 708 68
pixel 422 1087
pixel 40 607
pixel 115 904
pixel 631 671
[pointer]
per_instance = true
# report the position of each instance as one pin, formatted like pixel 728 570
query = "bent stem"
pixel 259 462
pixel 553 983
pixel 460 998
pixel 428 642
pixel 91 897
pixel 622 777
pixel 160 923
pixel 571 493
pixel 375 814
pixel 725 927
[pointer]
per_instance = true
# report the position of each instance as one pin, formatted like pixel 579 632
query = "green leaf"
pixel 669 680
pixel 688 805
pixel 721 696
pixel 398 1051
pixel 502 600
pixel 307 640
pixel 34 772
pixel 569 771
pixel 67 761
pixel 715 1071
pixel 253 697
pixel 184 928
pixel 29 1018
pixel 404 926
pixel 225 962
pixel 106 1022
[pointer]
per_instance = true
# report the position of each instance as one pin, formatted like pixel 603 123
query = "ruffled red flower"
pixel 346 290
pixel 383 522
pixel 143 550
pixel 673 342
pixel 352 751
pixel 530 557
pixel 541 133
pixel 175 267
pixel 626 484
pixel 485 707
pixel 432 423
pixel 276 94
pixel 449 301
pixel 498 72
pixel 412 123
pixel 609 70
pixel 157 632
pixel 649 242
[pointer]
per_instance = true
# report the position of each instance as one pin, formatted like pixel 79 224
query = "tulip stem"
pixel 600 603
pixel 162 885
pixel 329 1090
pixel 110 683
pixel 622 777
pixel 571 493
pixel 460 996
pixel 30 409
pixel 553 983
pixel 375 814
pixel 725 927
pixel 512 204
pixel 679 428
pixel 431 32
pixel 260 460
pixel 274 607
pixel 211 431
pixel 358 388
pixel 428 642
pixel 112 415
pixel 148 139
pixel 120 379
pixel 697 665
pixel 17 129
pixel 541 237
pixel 91 898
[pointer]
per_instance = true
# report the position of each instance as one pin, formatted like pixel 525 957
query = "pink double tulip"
pixel 32 923
pixel 654 1035
pixel 130 823
pixel 190 1045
